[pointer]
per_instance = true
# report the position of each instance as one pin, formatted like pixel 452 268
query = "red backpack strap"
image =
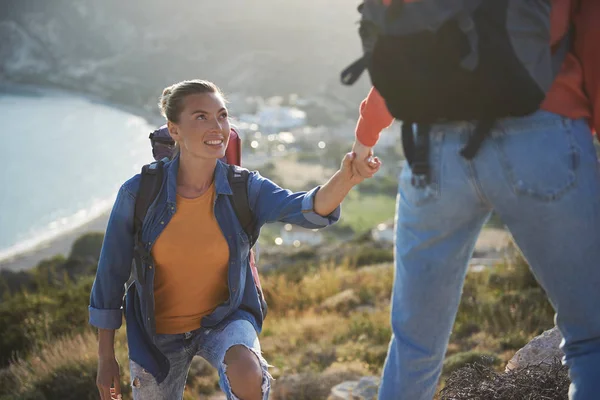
pixel 233 153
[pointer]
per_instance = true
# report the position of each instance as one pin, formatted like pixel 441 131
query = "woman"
pixel 195 297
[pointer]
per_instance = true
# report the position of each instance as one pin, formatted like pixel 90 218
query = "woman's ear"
pixel 172 127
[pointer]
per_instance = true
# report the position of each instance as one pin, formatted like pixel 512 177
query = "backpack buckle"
pixel 420 175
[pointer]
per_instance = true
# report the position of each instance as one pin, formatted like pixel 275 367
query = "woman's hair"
pixel 171 100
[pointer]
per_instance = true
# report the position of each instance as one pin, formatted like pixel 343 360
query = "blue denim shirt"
pixel 268 202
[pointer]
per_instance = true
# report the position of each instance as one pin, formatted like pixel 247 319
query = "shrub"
pixel 71 381
pixel 63 369
pixel 27 320
pixel 505 301
pixel 459 360
pixel 532 383
pixel 87 247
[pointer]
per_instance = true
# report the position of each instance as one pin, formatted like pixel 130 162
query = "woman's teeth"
pixel 214 142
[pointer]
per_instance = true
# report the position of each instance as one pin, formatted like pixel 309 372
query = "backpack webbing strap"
pixel 416 151
pixel 482 130
pixel 238 180
pixel 150 184
pixel 351 74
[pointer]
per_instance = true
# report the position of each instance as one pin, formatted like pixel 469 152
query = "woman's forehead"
pixel 204 102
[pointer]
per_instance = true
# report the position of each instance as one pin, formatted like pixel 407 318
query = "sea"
pixel 64 157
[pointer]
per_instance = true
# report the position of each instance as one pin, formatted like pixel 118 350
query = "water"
pixel 64 159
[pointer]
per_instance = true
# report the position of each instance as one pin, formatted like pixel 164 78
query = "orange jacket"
pixel 567 96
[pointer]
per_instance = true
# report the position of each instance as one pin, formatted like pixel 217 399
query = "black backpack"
pixel 436 61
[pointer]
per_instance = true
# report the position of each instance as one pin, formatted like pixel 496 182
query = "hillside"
pixel 327 323
pixel 126 52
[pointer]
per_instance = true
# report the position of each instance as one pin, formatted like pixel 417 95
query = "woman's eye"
pixel 201 116
pixel 224 115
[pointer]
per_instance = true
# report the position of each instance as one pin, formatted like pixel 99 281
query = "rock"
pixel 366 309
pixel 309 386
pixel 343 391
pixel 364 389
pixel 341 302
pixel 200 367
pixel 542 350
pixel 218 396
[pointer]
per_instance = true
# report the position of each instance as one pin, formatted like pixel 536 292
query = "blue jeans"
pixel 210 344
pixel 540 174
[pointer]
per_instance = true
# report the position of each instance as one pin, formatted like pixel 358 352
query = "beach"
pixel 60 245
pixel 48 211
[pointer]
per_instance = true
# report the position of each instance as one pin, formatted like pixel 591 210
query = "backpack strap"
pixel 416 151
pixel 150 184
pixel 238 180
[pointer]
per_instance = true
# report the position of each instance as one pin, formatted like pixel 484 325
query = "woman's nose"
pixel 217 124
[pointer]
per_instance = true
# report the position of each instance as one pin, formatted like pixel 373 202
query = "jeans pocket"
pixel 418 196
pixel 540 161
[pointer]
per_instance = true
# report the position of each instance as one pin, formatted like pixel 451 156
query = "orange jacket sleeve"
pixel 374 117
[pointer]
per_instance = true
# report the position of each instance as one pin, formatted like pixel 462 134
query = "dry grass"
pixel 313 347
pixel 61 360
pixel 61 353
pixel 531 383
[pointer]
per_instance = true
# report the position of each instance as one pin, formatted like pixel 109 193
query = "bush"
pixel 506 302
pixel 73 381
pixel 532 383
pixel 13 282
pixel 363 326
pixel 87 247
pixel 385 184
pixel 27 320
pixel 460 360
pixel 61 369
pixel 371 255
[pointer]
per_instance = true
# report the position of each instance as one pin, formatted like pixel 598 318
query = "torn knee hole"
pixel 136 383
pixel 244 359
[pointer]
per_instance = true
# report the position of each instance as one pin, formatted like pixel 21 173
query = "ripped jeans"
pixel 210 344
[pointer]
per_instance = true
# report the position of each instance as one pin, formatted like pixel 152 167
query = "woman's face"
pixel 203 127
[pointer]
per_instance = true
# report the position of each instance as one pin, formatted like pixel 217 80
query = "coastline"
pixel 59 245
pixel 62 243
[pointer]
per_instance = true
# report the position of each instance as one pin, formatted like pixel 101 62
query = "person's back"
pixel 539 173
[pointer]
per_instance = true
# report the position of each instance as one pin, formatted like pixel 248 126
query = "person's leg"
pixel 144 385
pixel 545 185
pixel 436 230
pixel 234 350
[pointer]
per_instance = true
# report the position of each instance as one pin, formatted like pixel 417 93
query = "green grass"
pixel 362 212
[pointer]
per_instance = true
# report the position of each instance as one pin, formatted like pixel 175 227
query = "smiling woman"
pixel 192 293
pixel 204 104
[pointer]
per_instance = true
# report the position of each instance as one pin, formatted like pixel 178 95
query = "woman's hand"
pixel 109 374
pixel 362 166
pixel 331 194
pixel 351 165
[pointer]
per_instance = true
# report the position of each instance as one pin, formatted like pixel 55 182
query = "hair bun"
pixel 164 100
